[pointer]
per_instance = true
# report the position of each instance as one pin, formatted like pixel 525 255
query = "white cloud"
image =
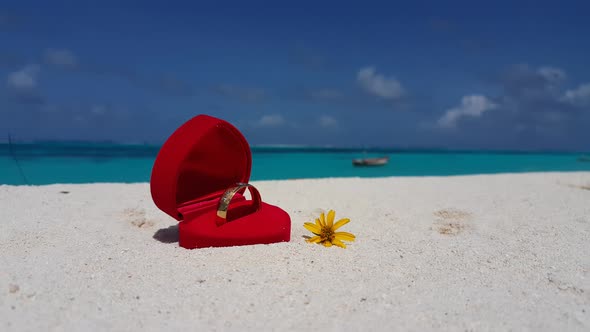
pixel 552 75
pixel 25 79
pixel 98 109
pixel 473 106
pixel 271 120
pixel 379 85
pixel 579 96
pixel 327 121
pixel 62 58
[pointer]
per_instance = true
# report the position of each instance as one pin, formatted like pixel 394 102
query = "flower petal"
pixel 330 220
pixel 315 229
pixel 344 236
pixel 317 222
pixel 340 223
pixel 315 239
pixel 327 244
pixel 322 220
pixel 339 243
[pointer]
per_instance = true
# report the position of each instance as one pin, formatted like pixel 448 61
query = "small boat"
pixel 584 159
pixel 370 161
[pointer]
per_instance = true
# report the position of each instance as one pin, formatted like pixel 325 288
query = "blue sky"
pixel 452 74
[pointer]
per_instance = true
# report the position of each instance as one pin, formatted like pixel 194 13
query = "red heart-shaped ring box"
pixel 199 178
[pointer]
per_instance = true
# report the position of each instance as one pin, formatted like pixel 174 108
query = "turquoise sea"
pixel 46 163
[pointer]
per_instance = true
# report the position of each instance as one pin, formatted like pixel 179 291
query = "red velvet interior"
pixel 217 162
pixel 192 210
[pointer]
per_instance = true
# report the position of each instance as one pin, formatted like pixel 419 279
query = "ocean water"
pixel 48 163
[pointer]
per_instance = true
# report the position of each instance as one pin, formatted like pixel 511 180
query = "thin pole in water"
pixel 20 169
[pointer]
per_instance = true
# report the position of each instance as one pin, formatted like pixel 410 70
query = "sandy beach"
pixel 488 252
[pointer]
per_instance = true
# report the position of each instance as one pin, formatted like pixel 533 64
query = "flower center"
pixel 327 233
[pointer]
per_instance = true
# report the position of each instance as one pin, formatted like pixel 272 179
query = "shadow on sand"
pixel 167 235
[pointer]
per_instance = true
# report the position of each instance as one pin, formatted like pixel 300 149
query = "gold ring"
pixel 229 194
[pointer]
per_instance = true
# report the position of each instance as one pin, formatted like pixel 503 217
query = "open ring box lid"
pixel 201 160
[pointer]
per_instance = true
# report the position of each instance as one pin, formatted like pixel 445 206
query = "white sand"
pixel 503 252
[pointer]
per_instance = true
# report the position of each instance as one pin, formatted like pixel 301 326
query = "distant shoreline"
pixel 89 163
pixel 86 145
pixel 375 178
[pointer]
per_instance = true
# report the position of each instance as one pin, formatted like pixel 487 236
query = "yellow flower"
pixel 325 231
